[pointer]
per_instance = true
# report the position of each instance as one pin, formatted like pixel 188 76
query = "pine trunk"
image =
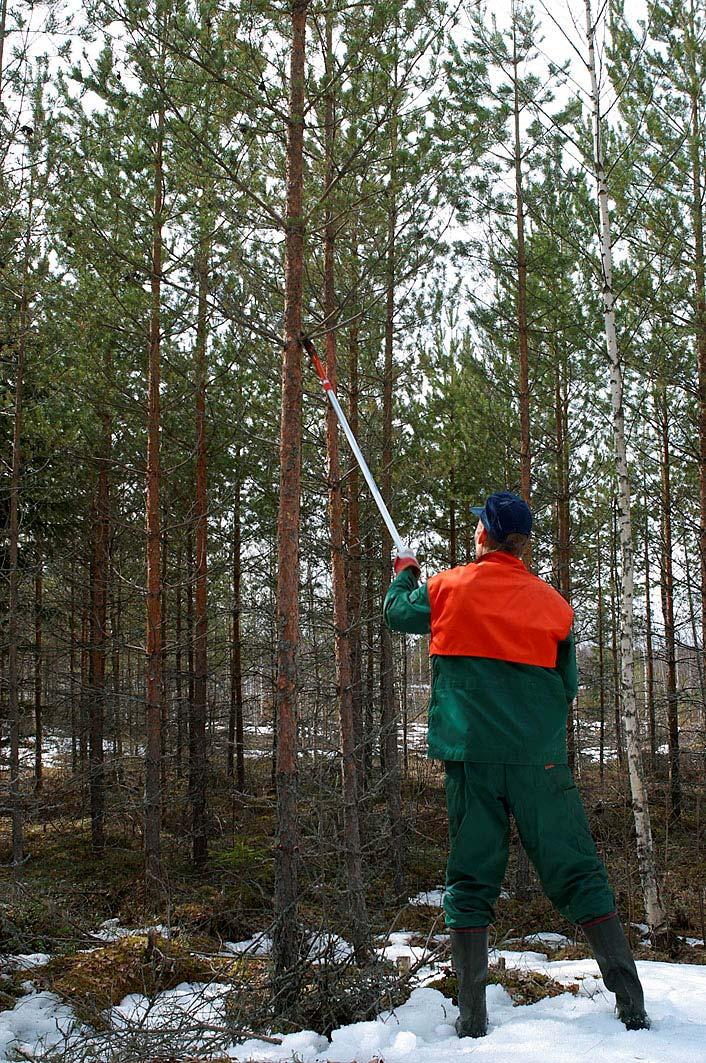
pixel 72 674
pixel 667 582
pixel 287 934
pixel 369 715
pixel 83 696
pixel 236 738
pixel 13 678
pixel 388 709
pixel 354 565
pixel 115 634
pixel 99 603
pixel 360 930
pixel 649 650
pixel 38 737
pixel 522 327
pixel 13 628
pixel 522 876
pixel 178 664
pixel 697 208
pixel 197 720
pixel 153 662
pixel 453 536
pixel 645 849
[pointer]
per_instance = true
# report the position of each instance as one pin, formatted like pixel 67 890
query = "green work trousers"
pixel 552 824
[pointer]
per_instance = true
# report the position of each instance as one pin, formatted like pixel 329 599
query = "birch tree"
pixel 645 849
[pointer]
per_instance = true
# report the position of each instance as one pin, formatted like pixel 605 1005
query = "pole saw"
pixel 353 443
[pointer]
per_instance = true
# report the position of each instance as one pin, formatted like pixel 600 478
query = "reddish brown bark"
pixel 236 738
pixel 388 709
pixel 523 394
pixel 178 678
pixel 14 578
pixel 153 663
pixel 453 537
pixel 99 601
pixel 369 718
pixel 83 693
pixel 72 675
pixel 164 643
pixel 286 936
pixel 649 650
pixel 199 708
pixel 38 737
pixel 354 554
pixel 115 633
pixel 522 328
pixel 351 826
pixel 697 200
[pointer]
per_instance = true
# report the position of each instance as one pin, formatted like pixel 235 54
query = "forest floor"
pixel 83 978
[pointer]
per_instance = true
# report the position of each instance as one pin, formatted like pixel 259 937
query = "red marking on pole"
pixel 316 362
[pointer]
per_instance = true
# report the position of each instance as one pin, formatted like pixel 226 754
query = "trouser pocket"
pixel 563 788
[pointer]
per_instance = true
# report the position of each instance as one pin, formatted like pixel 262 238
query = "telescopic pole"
pixel 353 442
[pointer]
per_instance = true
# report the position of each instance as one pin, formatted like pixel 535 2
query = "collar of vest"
pixel 499 557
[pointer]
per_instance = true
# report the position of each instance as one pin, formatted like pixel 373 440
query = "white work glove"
pixel 406 559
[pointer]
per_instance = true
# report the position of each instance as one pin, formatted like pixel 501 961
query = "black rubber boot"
pixel 614 957
pixel 469 951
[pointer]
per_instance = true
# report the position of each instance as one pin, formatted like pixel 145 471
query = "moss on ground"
pixel 523 986
pixel 94 981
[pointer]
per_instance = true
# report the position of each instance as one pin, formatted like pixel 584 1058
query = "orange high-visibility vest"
pixel 496 608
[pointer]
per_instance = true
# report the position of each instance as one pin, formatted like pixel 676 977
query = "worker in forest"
pixel 503 676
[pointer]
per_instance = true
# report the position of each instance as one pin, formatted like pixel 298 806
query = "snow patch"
pixel 110 930
pixel 260 945
pixel 431 898
pixel 24 961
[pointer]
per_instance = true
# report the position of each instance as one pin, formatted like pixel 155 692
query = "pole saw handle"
pixel 353 443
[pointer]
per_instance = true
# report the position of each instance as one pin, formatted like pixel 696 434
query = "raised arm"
pixel 407 606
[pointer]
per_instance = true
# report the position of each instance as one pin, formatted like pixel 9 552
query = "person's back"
pixel 503 675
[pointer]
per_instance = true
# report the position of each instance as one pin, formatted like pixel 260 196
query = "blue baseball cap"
pixel 503 514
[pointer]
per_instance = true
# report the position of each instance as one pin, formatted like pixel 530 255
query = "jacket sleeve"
pixel 407 606
pixel 567 667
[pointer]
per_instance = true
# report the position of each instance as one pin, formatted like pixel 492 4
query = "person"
pixel 504 673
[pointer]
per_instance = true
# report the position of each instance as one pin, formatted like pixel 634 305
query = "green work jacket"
pixel 487 710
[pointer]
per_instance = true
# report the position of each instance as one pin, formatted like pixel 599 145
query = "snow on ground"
pixel 37 1022
pixel 435 898
pixel 260 945
pixel 556 1030
pixel 432 898
pixel 323 948
pixel 561 1029
pixel 24 961
pixel 111 930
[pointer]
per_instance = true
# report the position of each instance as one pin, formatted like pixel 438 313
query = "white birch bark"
pixel 645 850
